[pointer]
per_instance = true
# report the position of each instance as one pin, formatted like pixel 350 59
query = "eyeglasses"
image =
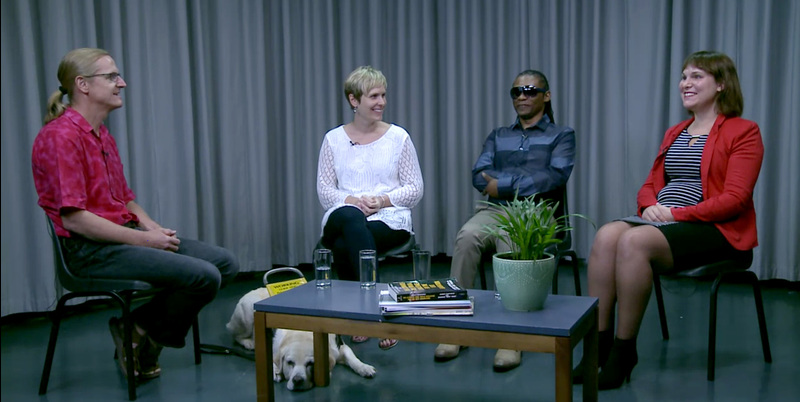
pixel 528 90
pixel 113 77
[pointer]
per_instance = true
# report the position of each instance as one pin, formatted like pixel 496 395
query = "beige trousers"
pixel 472 242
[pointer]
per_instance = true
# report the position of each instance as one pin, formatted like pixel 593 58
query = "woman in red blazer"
pixel 695 207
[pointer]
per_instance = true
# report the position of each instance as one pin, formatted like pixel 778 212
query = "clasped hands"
pixel 370 204
pixel 658 213
pixel 162 239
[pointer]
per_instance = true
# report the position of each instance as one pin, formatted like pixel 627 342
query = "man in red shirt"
pixel 104 233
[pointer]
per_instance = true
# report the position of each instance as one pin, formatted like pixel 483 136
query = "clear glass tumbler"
pixel 421 263
pixel 322 267
pixel 368 267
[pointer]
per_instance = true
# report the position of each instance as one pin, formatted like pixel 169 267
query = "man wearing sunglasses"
pixel 531 156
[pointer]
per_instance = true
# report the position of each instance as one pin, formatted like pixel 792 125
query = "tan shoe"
pixel 115 326
pixel 505 359
pixel 148 359
pixel 445 352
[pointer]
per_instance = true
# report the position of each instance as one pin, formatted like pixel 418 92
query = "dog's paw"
pixel 277 375
pixel 248 344
pixel 365 370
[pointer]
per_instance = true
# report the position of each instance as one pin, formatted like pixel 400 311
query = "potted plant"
pixel 529 227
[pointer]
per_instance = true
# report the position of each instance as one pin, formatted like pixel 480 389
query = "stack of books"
pixel 426 297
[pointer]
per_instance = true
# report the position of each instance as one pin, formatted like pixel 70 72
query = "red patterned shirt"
pixel 73 168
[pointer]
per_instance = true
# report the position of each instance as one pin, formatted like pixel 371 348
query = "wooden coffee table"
pixel 346 309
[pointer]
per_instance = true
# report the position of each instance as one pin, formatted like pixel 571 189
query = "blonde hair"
pixel 361 80
pixel 76 62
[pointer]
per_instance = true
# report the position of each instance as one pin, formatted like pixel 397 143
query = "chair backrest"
pixel 409 245
pixel 75 283
pixel 560 195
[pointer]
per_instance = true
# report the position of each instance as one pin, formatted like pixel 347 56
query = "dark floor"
pixel 674 370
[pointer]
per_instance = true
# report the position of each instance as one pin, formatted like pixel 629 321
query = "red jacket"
pixel 729 169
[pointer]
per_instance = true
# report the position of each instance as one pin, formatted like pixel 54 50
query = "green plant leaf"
pixel 528 227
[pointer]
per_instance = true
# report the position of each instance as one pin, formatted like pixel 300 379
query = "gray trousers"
pixel 190 279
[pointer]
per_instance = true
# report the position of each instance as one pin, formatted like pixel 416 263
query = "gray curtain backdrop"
pixel 228 100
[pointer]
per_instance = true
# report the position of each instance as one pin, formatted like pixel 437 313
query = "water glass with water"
pixel 368 267
pixel 322 267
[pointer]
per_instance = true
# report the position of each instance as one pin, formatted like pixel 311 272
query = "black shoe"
pixel 620 364
pixel 604 343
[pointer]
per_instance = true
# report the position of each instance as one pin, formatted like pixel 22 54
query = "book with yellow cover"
pixel 427 290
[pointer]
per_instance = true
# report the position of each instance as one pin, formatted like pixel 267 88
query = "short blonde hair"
pixel 361 80
pixel 76 62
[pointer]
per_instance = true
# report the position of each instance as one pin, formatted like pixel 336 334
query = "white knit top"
pixel 388 165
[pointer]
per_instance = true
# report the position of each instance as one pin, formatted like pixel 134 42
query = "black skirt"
pixel 694 244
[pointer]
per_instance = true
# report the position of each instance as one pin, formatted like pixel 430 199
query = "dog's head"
pixel 296 362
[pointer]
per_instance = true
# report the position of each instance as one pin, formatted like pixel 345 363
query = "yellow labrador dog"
pixel 241 322
pixel 292 351
pixel 293 358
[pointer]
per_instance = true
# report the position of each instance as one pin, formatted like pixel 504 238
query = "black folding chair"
pixel 726 270
pixel 119 290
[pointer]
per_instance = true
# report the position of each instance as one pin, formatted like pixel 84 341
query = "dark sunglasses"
pixel 528 90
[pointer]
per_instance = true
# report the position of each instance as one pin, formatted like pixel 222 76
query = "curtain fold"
pixel 228 101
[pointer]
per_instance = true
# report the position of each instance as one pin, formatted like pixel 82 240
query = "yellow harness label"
pixel 279 287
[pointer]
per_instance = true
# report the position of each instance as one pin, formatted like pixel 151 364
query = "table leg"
pixel 322 375
pixel 590 351
pixel 563 370
pixel 265 389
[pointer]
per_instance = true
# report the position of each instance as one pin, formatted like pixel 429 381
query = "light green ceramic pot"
pixel 523 285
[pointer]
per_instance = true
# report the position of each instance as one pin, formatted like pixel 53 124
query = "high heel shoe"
pixel 621 361
pixel 604 343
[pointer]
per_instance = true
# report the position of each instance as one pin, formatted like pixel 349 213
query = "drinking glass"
pixel 368 267
pixel 421 263
pixel 322 267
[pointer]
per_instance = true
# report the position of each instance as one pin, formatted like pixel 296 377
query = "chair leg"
pixel 127 320
pixel 762 322
pixel 712 326
pixel 576 274
pixel 662 315
pixel 555 279
pixel 573 259
pixel 482 272
pixel 196 341
pixel 55 316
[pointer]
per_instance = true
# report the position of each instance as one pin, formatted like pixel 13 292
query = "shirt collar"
pixel 79 120
pixel 541 124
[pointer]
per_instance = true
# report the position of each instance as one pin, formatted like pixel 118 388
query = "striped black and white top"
pixel 682 167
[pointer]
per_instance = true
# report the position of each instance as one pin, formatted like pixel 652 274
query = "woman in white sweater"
pixel 368 179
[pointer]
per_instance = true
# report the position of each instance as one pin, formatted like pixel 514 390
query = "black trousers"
pixel 348 231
